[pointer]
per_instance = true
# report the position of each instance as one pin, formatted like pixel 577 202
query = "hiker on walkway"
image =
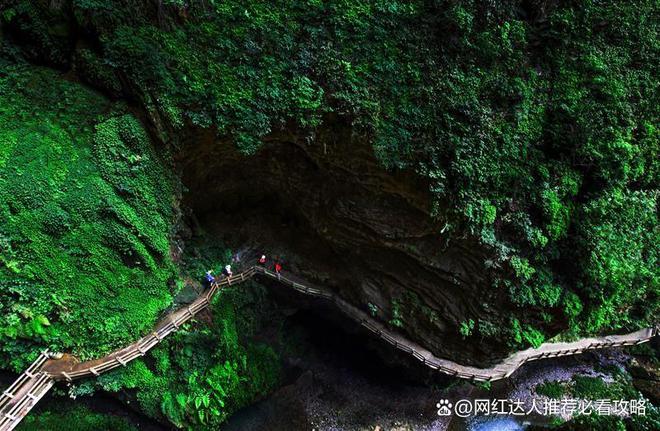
pixel 278 268
pixel 227 271
pixel 262 260
pixel 209 278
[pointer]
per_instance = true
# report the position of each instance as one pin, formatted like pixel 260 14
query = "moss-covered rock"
pixel 86 213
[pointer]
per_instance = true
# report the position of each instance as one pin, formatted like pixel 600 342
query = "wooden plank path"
pixel 499 371
pixel 22 395
pixel 17 401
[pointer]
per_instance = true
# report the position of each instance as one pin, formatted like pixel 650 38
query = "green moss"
pixel 648 422
pixel 197 377
pixel 76 418
pixel 85 219
pixel 526 123
pixel 551 389
pixel 595 388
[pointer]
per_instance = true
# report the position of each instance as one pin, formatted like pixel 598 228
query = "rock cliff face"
pixel 327 205
pixel 341 220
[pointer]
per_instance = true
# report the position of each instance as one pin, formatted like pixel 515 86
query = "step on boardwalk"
pixel 23 394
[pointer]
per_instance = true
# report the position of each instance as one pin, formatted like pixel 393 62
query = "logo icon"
pixel 444 408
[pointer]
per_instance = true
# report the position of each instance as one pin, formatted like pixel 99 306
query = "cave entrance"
pixel 274 202
pixel 340 221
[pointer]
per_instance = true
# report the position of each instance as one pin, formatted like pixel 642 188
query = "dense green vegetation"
pixel 77 418
pixel 592 388
pixel 550 389
pixel 650 422
pixel 206 371
pixel 595 388
pixel 86 210
pixel 85 216
pixel 535 122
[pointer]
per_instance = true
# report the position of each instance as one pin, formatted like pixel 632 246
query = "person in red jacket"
pixel 262 260
pixel 278 268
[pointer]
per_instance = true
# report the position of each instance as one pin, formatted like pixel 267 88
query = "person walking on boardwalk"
pixel 262 260
pixel 209 278
pixel 278 268
pixel 227 271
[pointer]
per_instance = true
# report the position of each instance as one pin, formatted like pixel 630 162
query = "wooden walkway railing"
pixel 18 399
pixel 500 371
pixel 24 393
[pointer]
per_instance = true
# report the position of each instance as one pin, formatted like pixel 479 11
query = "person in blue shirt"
pixel 208 278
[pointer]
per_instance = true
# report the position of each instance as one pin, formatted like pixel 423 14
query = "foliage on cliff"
pixel 85 213
pixel 535 122
pixel 209 368
pixel 74 418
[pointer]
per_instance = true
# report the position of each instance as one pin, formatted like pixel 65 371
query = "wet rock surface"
pixel 645 372
pixel 332 385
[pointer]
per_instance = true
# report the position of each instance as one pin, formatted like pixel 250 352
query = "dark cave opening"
pixel 336 363
pixel 337 219
pixel 257 205
pixel 332 341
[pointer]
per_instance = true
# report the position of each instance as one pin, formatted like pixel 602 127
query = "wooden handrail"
pixel 30 386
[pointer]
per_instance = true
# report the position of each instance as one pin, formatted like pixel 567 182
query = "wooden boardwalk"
pixel 24 393
pixel 19 398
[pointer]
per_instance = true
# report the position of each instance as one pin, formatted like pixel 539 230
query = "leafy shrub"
pixel 85 264
pixel 397 316
pixel 77 418
pixel 466 328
